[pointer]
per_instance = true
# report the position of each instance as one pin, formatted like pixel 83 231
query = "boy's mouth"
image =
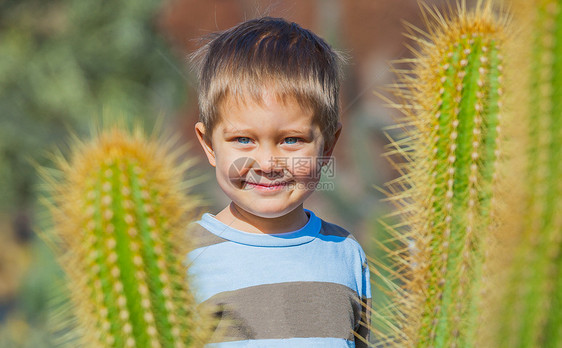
pixel 271 186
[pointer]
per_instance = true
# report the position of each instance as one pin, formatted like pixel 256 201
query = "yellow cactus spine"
pixel 452 99
pixel 120 215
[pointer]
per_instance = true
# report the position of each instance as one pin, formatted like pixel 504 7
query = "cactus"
pixel 530 311
pixel 120 218
pixel 451 100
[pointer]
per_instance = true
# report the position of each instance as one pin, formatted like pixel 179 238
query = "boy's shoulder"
pixel 332 230
pixel 335 233
pixel 200 236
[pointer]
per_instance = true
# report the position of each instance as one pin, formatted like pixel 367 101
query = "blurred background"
pixel 64 63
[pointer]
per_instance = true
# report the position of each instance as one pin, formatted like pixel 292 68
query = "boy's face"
pixel 268 157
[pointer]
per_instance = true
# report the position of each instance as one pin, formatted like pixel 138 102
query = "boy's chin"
pixel 268 211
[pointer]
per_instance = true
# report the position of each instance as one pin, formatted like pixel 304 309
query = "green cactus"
pixel 530 311
pixel 451 99
pixel 120 219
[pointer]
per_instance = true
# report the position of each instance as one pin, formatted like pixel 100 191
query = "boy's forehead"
pixel 266 98
pixel 247 115
pixel 307 129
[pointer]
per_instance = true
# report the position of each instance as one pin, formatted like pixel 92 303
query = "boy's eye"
pixel 243 140
pixel 291 140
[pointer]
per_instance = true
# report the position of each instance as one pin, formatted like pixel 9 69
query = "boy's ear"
pixel 205 143
pixel 329 147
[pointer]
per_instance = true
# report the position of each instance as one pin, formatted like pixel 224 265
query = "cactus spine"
pixel 120 216
pixel 531 314
pixel 452 107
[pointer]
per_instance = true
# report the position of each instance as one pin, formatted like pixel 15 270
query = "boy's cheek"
pixel 238 167
pixel 308 167
pixel 303 168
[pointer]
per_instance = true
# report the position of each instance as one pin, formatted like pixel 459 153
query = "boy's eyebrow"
pixel 229 131
pixel 303 131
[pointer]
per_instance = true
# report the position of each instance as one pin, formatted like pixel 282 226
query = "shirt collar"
pixel 301 236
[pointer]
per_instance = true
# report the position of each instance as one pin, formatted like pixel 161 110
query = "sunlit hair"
pixel 273 55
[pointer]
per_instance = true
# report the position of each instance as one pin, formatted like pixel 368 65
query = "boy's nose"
pixel 266 164
pixel 267 161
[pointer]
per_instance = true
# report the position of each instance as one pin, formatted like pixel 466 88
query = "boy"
pixel 278 275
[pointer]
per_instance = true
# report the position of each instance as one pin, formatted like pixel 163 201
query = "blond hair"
pixel 274 55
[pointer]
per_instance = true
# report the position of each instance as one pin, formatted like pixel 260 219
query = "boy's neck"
pixel 239 219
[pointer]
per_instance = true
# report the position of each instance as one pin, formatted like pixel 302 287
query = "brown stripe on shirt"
pixel 288 310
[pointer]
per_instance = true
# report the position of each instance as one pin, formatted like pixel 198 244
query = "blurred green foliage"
pixel 28 321
pixel 63 61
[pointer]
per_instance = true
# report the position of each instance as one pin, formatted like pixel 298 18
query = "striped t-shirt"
pixel 297 289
